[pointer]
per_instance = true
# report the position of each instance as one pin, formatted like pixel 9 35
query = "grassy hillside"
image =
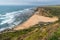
pixel 39 31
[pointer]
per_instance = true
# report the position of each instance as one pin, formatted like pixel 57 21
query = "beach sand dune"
pixel 34 20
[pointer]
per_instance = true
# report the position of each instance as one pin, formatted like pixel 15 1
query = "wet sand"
pixel 34 20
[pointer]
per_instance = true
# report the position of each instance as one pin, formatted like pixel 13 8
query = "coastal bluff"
pixel 39 16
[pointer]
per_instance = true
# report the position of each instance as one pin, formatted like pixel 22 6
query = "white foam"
pixel 16 23
pixel 2 29
pixel 9 18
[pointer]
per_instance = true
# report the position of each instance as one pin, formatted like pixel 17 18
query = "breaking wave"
pixel 12 19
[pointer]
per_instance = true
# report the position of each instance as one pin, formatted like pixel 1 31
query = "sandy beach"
pixel 34 20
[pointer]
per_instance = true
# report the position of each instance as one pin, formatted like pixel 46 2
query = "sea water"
pixel 11 16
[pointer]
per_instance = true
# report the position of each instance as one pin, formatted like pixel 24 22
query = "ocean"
pixel 11 16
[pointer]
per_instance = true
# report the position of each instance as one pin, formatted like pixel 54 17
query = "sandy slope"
pixel 34 20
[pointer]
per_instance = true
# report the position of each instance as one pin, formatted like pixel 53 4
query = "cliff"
pixel 43 25
pixel 38 17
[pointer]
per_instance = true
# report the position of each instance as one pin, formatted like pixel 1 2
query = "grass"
pixel 56 35
pixel 15 35
pixel 53 11
pixel 36 35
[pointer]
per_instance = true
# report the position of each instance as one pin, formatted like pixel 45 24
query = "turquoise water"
pixel 7 9
pixel 11 16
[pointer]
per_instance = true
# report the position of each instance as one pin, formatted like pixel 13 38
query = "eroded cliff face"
pixel 33 29
pixel 43 12
pixel 39 16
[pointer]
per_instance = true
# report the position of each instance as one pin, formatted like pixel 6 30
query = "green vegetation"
pixel 34 33
pixel 53 11
pixel 15 35
pixel 56 35
pixel 43 33
pixel 38 32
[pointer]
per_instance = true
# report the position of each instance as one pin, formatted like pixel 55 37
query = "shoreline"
pixel 11 28
pixel 35 19
pixel 27 24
